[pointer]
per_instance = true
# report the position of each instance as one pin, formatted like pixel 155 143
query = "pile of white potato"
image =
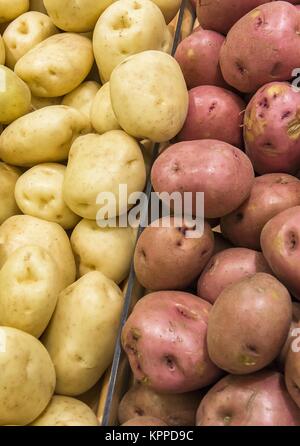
pixel 64 139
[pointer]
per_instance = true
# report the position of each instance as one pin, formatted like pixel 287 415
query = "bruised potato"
pixel 8 178
pixel 57 65
pixel 82 97
pixel 10 9
pixel 15 96
pixel 102 115
pixel 38 193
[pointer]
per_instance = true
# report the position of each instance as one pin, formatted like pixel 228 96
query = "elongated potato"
pixel 15 96
pixel 102 115
pixel 10 9
pixel 81 335
pixel 2 51
pixel 57 65
pixel 42 136
pixel 27 378
pixel 8 179
pixel 82 97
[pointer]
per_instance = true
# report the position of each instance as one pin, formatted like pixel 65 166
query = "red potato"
pixel 280 242
pixel 144 421
pixel 295 321
pixel 270 194
pixel 165 341
pixel 209 109
pixel 223 172
pixel 198 57
pixel 263 46
pixel 259 399
pixel 292 368
pixel 272 129
pixel 227 268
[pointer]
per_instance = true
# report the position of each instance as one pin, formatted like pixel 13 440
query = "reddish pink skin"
pixel 271 194
pixel 259 399
pixel 198 57
pixel 285 349
pixel 144 421
pixel 241 60
pixel 292 371
pixel 227 268
pixel 207 118
pixel 165 340
pixel 223 172
pixel 270 129
pixel 280 242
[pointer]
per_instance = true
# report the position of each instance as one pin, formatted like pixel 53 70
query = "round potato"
pixel 21 230
pixel 38 193
pixel 99 164
pixel 66 411
pixel 127 27
pixel 144 421
pixel 42 136
pixel 169 8
pixel 29 288
pixel 2 51
pixel 37 5
pixel 24 33
pixel 81 335
pixel 15 96
pixel 10 9
pixel 292 370
pixel 157 106
pixel 95 248
pixel 103 118
pixel 57 65
pixel 37 103
pixel 82 97
pixel 27 378
pixel 8 178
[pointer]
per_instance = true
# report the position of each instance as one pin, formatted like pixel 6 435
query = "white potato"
pixel 37 5
pixel 82 97
pixel 37 103
pixel 127 27
pixel 66 411
pixel 38 193
pixel 15 96
pixel 149 96
pixel 82 333
pixel 29 288
pixel 99 164
pixel 44 135
pixel 76 15
pixel 22 230
pixel 57 65
pixel 27 377
pixel 102 115
pixel 10 9
pixel 8 179
pixel 2 51
pixel 169 8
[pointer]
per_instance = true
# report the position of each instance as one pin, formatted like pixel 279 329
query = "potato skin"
pixel 144 421
pixel 292 370
pixel 241 338
pixel 223 172
pixel 11 9
pixel 15 96
pixel 228 267
pixel 285 349
pixel 2 51
pixel 102 115
pixel 82 97
pixel 172 358
pixel 166 259
pixel 259 399
pixel 169 8
pixel 8 178
pixel 270 194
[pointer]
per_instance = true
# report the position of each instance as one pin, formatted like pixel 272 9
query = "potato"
pixel 98 164
pixel 169 8
pixel 56 126
pixel 8 179
pixel 66 411
pixel 24 33
pixel 37 5
pixel 127 27
pixel 38 193
pixel 95 248
pixel 75 15
pixel 102 116
pixel 81 335
pixel 292 372
pixel 10 9
pixel 82 97
pixel 37 103
pixel 248 324
pixel 27 378
pixel 157 106
pixel 21 230
pixel 2 51
pixel 15 96
pixel 144 421
pixel 29 288
pixel 57 65
pixel 287 345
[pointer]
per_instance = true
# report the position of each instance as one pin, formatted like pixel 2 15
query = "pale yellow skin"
pixel 82 97
pixel 37 5
pixel 15 96
pixel 169 8
pixel 57 65
pixel 29 289
pixel 27 378
pixel 24 33
pixel 66 411
pixel 82 333
pixel 76 15
pixel 102 115
pixel 108 250
pixel 99 164
pixel 8 178
pixel 37 103
pixel 156 107
pixel 38 193
pixel 44 135
pixel 11 9
pixel 2 51
pixel 127 27
pixel 22 230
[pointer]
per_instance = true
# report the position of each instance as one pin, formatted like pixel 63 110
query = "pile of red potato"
pixel 214 341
